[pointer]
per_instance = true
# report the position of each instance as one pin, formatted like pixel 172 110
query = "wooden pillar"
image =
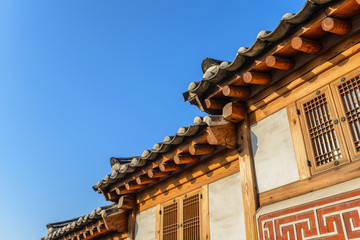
pixel 248 181
pixel 297 137
pixel 131 224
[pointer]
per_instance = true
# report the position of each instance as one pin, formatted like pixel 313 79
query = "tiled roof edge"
pixel 120 170
pixel 60 228
pixel 217 71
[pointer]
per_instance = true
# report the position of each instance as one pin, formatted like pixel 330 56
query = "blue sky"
pixel 84 80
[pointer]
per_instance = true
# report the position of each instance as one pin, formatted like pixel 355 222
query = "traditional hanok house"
pixel 278 156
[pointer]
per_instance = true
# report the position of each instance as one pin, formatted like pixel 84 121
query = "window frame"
pixel 203 214
pixel 338 131
pixel 342 129
pixel 354 154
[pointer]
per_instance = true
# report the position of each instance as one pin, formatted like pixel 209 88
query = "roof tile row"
pixel 218 71
pixel 121 166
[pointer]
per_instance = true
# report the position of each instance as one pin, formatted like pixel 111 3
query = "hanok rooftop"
pixel 276 158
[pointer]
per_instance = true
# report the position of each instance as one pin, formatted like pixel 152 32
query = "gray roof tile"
pixel 216 71
pixel 121 166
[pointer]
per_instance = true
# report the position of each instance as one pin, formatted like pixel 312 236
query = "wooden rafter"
pixel 279 62
pixel 190 152
pixel 201 149
pixel 169 167
pixel 156 173
pixel 183 148
pixel 308 34
pixel 336 26
pixel 257 78
pixel 305 45
pixel 185 158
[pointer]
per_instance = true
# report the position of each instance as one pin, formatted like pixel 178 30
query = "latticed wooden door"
pixel 181 218
pixel 170 220
pixel 191 216
pixel 346 92
pixel 323 134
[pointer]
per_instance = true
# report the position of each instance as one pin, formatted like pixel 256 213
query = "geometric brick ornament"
pixel 332 218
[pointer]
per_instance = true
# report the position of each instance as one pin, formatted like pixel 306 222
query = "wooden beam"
pixel 116 221
pixel 91 229
pixel 236 92
pixel 278 95
pixel 189 180
pixel 169 167
pixel 279 63
pixel 185 158
pixel 284 47
pixel 331 177
pixel 237 80
pixel 115 236
pixel 183 148
pixel 100 229
pixel 214 104
pixel 144 180
pixel 305 45
pixel 123 190
pixel 248 181
pixel 200 168
pixel 336 26
pixel 348 9
pixel 234 112
pixel 133 186
pixel 112 196
pixel 257 78
pixel 224 135
pixel 156 173
pixel 201 149
pixel 126 202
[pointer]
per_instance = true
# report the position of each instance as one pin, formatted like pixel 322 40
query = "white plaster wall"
pixel 145 225
pixel 226 209
pixel 273 151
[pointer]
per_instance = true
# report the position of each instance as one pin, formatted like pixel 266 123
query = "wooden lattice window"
pixel 330 120
pixel 170 220
pixel 347 96
pixel 191 216
pixel 183 218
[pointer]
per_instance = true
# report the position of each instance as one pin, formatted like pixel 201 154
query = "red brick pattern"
pixel 332 218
